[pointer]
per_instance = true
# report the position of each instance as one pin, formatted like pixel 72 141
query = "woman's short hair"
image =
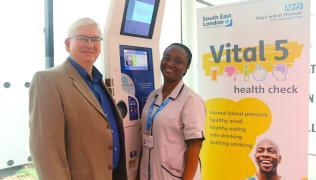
pixel 185 48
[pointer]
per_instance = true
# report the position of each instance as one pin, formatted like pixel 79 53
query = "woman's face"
pixel 174 64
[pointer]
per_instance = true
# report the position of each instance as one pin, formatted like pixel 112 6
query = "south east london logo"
pixel 221 20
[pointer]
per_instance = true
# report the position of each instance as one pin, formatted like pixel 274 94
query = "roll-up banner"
pixel 254 78
pixel 312 99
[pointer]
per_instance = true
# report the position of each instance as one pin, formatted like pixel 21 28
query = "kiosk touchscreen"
pixel 139 18
pixel 131 65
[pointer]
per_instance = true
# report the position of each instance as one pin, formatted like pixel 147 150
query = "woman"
pixel 172 123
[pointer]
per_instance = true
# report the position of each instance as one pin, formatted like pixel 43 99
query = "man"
pixel 267 157
pixel 76 131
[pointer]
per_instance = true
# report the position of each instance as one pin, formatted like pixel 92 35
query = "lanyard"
pixel 151 116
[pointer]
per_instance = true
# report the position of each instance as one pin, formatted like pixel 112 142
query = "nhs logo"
pixel 293 6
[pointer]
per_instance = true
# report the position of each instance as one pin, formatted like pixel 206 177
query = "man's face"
pixel 84 52
pixel 267 157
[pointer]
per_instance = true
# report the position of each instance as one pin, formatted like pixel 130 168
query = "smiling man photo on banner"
pixel 267 157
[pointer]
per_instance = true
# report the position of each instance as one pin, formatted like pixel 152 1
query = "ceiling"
pixel 216 2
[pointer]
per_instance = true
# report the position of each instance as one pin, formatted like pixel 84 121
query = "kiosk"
pixel 131 61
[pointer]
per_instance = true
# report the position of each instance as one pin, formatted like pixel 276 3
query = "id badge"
pixel 148 141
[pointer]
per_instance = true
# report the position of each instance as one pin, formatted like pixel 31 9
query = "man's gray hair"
pixel 86 21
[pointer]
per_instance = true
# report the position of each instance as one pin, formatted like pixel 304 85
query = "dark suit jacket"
pixel 70 137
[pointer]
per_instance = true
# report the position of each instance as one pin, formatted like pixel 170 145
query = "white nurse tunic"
pixel 182 119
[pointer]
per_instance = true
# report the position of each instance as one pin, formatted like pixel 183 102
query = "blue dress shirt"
pixel 96 86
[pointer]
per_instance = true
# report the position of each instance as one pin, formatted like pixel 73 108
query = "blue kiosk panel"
pixel 137 64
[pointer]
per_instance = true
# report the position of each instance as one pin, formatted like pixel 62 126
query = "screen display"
pixel 139 18
pixel 135 59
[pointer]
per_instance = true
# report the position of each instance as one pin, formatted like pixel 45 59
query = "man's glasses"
pixel 87 38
